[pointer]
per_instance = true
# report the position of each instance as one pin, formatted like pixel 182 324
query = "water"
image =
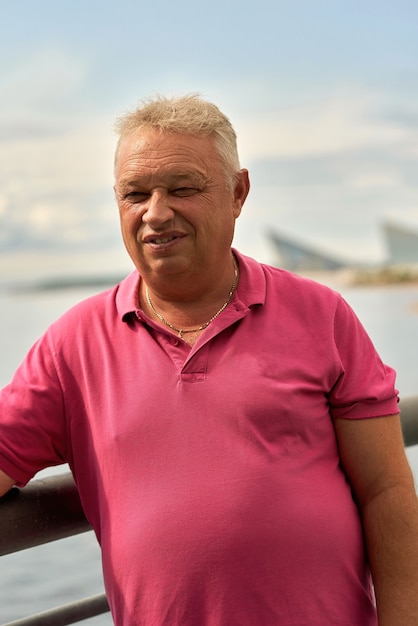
pixel 38 579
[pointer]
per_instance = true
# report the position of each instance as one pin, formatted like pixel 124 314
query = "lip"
pixel 163 241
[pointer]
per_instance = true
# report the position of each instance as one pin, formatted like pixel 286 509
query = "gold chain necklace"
pixel 180 331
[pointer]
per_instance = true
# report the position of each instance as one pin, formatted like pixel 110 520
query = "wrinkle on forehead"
pixel 152 153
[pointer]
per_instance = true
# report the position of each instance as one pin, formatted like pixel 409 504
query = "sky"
pixel 323 96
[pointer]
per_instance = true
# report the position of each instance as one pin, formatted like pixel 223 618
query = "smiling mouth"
pixel 162 240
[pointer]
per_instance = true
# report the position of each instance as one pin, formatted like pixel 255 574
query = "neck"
pixel 191 316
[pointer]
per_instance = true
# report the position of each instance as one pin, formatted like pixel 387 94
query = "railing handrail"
pixel 67 614
pixel 409 420
pixel 46 510
pixel 49 509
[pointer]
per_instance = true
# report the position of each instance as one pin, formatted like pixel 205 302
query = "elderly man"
pixel 233 434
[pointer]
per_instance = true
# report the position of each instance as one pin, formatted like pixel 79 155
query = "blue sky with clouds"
pixel 323 95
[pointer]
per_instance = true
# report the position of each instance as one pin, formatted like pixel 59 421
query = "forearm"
pixel 390 523
pixel 6 483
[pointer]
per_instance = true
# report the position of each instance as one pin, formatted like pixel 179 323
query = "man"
pixel 233 434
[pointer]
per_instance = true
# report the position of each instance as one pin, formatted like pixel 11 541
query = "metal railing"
pixel 50 509
pixel 47 510
pixel 67 614
pixel 409 419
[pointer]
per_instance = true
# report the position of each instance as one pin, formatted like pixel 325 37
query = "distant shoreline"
pixel 68 282
pixel 384 276
pixel 377 277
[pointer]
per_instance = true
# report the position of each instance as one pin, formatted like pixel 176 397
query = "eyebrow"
pixel 172 178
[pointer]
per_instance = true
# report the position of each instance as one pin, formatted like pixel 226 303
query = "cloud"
pixel 345 119
pixel 40 82
pixel 330 168
pixel 332 171
pixel 58 188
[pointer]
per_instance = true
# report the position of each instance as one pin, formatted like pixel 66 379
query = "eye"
pixel 136 196
pixel 184 192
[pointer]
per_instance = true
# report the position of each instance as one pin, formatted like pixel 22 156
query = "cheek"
pixel 130 218
pixel 223 223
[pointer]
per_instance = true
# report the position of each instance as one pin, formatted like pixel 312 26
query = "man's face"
pixel 176 210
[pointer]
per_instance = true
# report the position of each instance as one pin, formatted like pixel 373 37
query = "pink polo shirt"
pixel 210 474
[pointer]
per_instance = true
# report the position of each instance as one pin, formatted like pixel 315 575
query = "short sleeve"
pixel 32 416
pixel 366 386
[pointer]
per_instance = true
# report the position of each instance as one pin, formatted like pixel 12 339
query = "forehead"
pixel 150 153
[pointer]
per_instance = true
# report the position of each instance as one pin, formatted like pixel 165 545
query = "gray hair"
pixel 188 114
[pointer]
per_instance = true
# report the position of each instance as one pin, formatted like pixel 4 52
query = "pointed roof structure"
pixel 401 243
pixel 296 256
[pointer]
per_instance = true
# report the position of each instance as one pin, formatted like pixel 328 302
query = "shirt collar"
pixel 251 288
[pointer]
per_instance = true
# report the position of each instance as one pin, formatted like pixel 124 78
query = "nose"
pixel 157 210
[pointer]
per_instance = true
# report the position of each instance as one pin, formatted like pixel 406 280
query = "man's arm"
pixel 373 456
pixel 6 483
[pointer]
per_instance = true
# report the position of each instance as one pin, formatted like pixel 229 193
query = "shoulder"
pixel 87 311
pixel 295 283
pixel 98 312
pixel 279 277
pixel 280 290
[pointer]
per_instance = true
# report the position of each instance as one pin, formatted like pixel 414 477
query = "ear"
pixel 241 189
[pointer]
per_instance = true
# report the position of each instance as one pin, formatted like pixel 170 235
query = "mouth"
pixel 159 240
pixel 165 240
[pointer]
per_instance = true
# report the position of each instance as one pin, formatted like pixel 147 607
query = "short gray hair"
pixel 188 114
